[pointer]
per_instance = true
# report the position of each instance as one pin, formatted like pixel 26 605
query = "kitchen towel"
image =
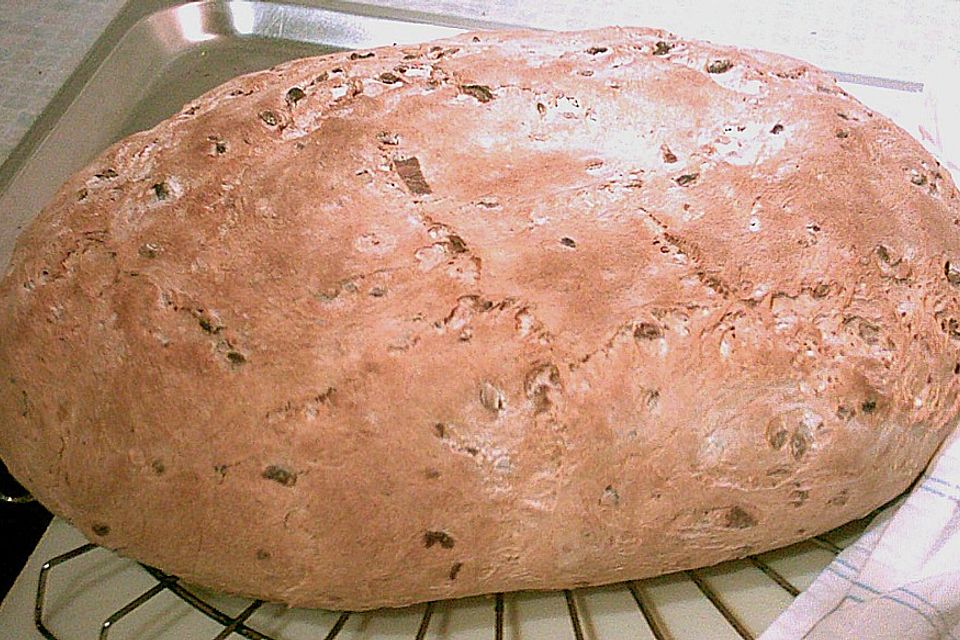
pixel 901 579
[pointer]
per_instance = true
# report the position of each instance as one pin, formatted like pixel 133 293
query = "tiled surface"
pixel 41 42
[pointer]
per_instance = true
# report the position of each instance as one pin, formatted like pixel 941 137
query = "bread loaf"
pixel 508 311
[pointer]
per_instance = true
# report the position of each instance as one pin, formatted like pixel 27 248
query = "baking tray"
pixel 158 55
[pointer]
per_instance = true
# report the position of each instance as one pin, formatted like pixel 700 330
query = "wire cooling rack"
pixel 238 624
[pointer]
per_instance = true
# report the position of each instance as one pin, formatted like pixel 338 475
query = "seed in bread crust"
pixel 444 539
pixel 952 271
pixel 719 66
pixel 738 518
pixel 662 48
pixel 280 475
pixel 478 91
pixel 492 398
pixel 295 95
pixel 269 118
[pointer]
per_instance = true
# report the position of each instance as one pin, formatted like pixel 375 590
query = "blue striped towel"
pixel 901 579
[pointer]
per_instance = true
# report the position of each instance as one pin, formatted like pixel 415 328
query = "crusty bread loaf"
pixel 507 311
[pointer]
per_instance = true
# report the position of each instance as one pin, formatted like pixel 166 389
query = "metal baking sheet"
pixel 156 56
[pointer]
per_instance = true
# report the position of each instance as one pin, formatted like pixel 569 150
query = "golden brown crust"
pixel 512 310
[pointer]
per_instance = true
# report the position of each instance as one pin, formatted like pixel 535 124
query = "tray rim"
pixel 135 12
